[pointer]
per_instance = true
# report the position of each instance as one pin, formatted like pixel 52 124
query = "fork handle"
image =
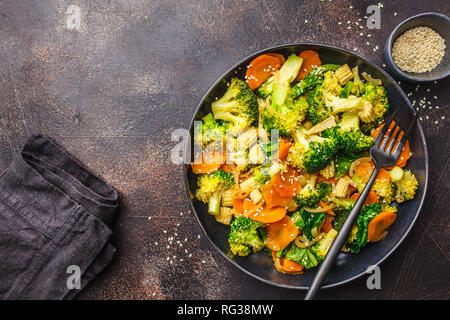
pixel 340 240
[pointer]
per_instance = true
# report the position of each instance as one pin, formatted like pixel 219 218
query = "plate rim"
pixel 187 150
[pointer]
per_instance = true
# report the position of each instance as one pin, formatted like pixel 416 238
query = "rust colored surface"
pixel 113 92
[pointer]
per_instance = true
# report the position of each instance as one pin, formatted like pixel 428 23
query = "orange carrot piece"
pixel 321 178
pixel 377 227
pixel 248 205
pixel 383 176
pixel 280 233
pixel 238 205
pixel 283 149
pixel 327 226
pixel 273 198
pixel 364 169
pixel 311 60
pixel 371 198
pixel 291 266
pixel 278 56
pixel 210 161
pixel 266 215
pixel 287 183
pixel 286 266
pixel 323 205
pixel 260 69
pixel 228 168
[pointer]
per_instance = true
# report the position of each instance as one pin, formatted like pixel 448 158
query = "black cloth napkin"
pixel 55 220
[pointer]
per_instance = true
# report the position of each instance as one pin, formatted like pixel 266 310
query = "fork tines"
pixel 394 132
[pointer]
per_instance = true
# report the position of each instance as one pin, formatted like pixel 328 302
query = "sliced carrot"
pixel 323 205
pixel 266 215
pixel 248 205
pixel 286 266
pixel 291 266
pixel 260 69
pixel 405 155
pixel 327 226
pixel 228 168
pixel 364 169
pixel 283 148
pixel 321 178
pixel 273 198
pixel 383 176
pixel 238 205
pixel 279 56
pixel 311 60
pixel 406 152
pixel 377 227
pixel 286 183
pixel 371 198
pixel 209 162
pixel 280 233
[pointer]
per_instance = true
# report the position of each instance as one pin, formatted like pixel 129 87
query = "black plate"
pixel 348 266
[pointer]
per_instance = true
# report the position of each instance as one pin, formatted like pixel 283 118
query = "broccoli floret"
pixel 313 155
pixel 348 136
pixel 285 117
pixel 358 182
pixel 343 203
pixel 298 220
pixel 378 98
pixel 317 110
pixel 320 248
pixel 309 196
pixel 311 193
pixel 211 187
pixel 385 191
pixel 386 207
pixel 324 190
pixel 266 88
pixel 264 173
pixel 406 186
pixel 343 162
pixel 238 105
pixel 313 78
pixel 331 84
pixel 337 105
pixel 210 130
pixel 318 99
pixel 244 236
pixel 347 90
pixel 358 86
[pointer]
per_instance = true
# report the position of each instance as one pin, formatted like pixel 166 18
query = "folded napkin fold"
pixel 55 223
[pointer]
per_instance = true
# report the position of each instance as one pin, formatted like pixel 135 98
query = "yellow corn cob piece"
pixel 247 139
pixel 227 198
pixel 343 74
pixel 255 196
pixel 340 190
pixel 248 184
pixel 225 215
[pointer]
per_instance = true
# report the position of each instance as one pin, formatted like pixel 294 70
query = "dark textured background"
pixel 113 92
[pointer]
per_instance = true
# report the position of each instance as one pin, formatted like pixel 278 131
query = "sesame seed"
pixel 418 50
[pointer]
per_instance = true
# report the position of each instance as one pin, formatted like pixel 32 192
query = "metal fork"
pixel 383 155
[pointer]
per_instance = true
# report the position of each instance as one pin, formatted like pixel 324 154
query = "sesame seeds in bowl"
pixel 417 50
